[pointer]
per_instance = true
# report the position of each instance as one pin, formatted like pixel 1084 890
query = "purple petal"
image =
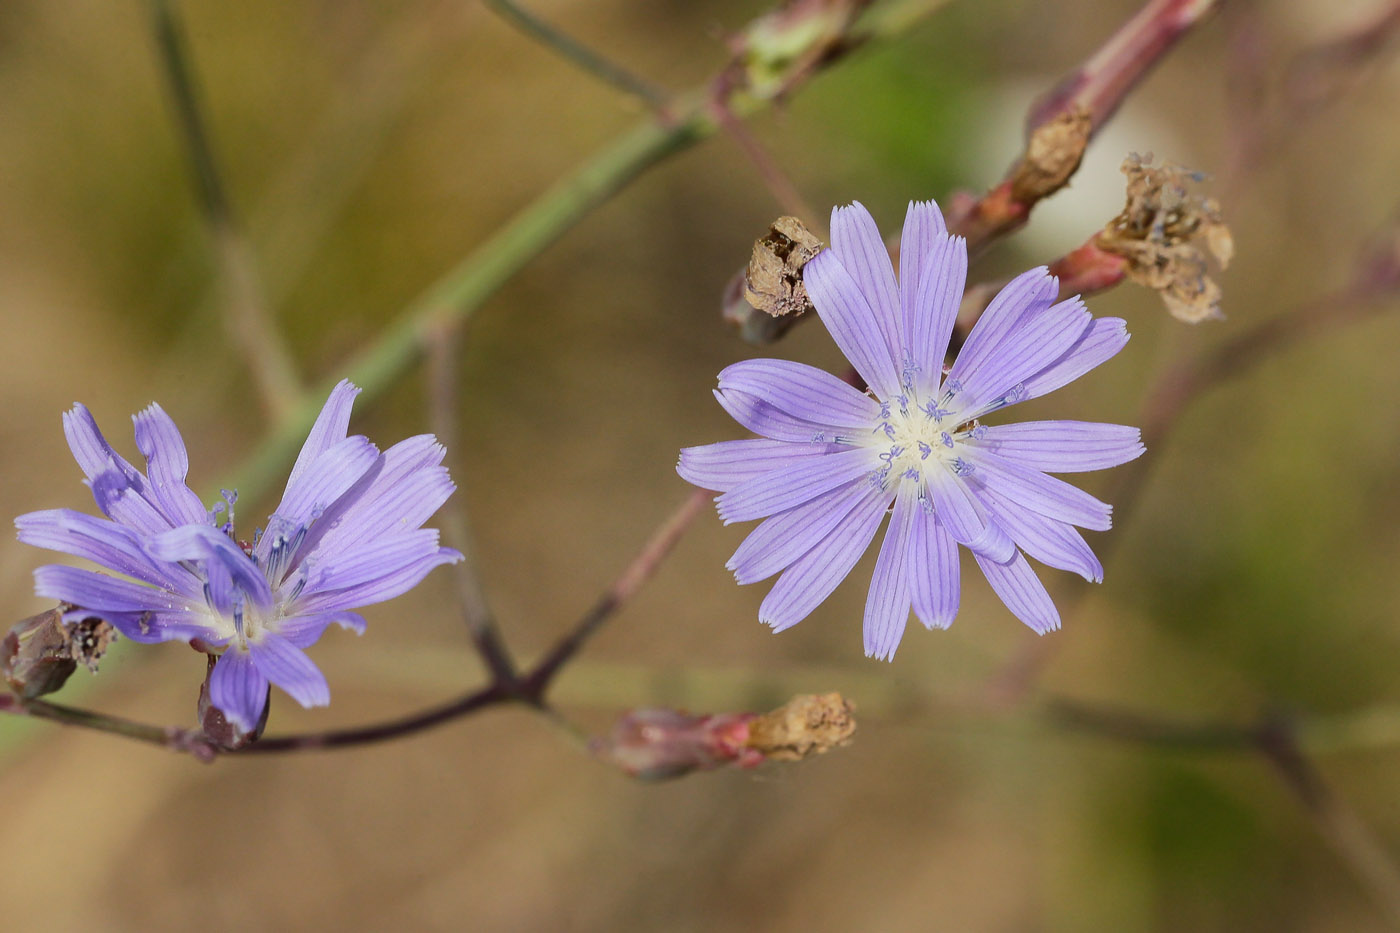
pixel 237 687
pixel 103 542
pixel 810 580
pixel 933 309
pixel 1031 489
pixel 934 579
pixel 856 241
pixel 957 507
pixel 1054 543
pixel 316 487
pixel 1022 592
pixel 888 602
pixel 118 487
pixel 330 428
pixel 211 546
pixel 1039 340
pixel 786 488
pixel 303 631
pixel 772 422
pixel 98 591
pixel 1062 446
pixel 1105 337
pixel 1030 292
pixel 167 465
pixel 781 540
pixel 151 627
pixel 377 589
pixel 802 391
pixel 724 465
pixel 390 509
pixel 847 315
pixel 370 560
pixel 289 668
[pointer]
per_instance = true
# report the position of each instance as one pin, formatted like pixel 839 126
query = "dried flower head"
pixel 833 460
pixel 1160 233
pixel 347 534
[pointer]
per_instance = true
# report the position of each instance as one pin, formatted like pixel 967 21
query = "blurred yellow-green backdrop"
pixel 369 146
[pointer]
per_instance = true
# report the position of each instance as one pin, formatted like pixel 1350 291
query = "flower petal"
pixel 239 689
pixel 377 589
pixel 1030 292
pixel 802 391
pixel 1021 590
pixel 810 580
pixel 888 602
pixel 318 486
pixel 785 488
pixel 119 488
pixel 781 540
pixel 772 422
pixel 1039 340
pixel 103 542
pixel 934 578
pixel 847 314
pixel 330 428
pixel 1056 544
pixel 210 545
pixel 963 514
pixel 1101 342
pixel 856 241
pixel 1062 446
pixel 724 465
pixel 303 631
pixel 1053 498
pixel 99 592
pixel 933 309
pixel 167 465
pixel 288 667
pixel 372 559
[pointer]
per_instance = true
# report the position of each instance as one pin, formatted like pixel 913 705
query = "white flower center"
pixel 915 436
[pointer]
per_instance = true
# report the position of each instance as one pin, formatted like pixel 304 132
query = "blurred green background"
pixel 370 146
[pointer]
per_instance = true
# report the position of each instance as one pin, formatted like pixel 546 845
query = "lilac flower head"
pixel 346 534
pixel 831 460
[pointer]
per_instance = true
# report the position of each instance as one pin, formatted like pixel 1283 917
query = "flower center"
pixel 916 435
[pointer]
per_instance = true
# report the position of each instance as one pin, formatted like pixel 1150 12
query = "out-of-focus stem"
pixel 636 573
pixel 481 621
pixel 169 737
pixel 246 314
pixel 581 55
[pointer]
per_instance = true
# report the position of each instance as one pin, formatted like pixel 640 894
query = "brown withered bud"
pixel 1165 234
pixel 1052 156
pixel 216 727
pixel 773 280
pixel 807 725
pixel 657 744
pixel 41 652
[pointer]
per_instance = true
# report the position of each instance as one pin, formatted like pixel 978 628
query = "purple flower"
pixel 346 534
pixel 833 460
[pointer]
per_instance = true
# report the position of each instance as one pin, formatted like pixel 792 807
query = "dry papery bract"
pixel 1165 233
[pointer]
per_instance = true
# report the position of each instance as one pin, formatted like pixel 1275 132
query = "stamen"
pixel 961 467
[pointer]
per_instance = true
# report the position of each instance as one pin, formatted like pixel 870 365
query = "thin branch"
pixel 1350 838
pixel 373 733
pixel 481 622
pixel 637 572
pixel 579 54
pixel 189 741
pixel 1092 92
pixel 248 318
